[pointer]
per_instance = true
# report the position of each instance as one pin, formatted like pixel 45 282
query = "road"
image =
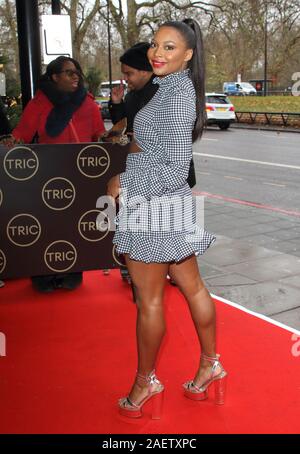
pixel 257 166
pixel 255 261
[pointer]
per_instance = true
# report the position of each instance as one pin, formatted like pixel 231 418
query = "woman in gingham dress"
pixel 156 224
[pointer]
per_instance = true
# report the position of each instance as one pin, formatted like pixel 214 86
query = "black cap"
pixel 136 57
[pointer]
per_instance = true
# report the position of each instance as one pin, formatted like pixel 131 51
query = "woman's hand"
pixel 113 187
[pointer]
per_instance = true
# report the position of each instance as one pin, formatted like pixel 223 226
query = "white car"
pixel 219 110
pixel 247 89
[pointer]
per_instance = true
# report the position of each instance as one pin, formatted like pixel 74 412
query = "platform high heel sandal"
pixel 155 392
pixel 218 377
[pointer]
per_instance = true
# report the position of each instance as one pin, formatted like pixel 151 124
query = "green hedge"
pixel 266 103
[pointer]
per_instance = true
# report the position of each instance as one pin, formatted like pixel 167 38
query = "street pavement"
pixel 255 261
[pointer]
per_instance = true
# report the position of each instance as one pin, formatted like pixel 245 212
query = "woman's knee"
pixel 150 303
pixel 194 289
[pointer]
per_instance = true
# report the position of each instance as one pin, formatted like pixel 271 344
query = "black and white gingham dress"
pixel 157 218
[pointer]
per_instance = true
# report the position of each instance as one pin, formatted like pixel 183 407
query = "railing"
pixel 269 118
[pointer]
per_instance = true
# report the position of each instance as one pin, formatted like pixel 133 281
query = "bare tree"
pixel 9 39
pixel 235 37
pixel 283 21
pixel 145 15
pixel 82 14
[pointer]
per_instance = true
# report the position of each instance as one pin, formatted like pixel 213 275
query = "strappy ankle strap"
pixel 214 360
pixel 211 359
pixel 145 377
pixel 150 379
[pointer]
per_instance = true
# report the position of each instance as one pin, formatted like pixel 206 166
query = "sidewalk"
pixel 255 261
pixel 264 127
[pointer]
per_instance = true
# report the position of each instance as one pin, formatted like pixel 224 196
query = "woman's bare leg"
pixel 149 280
pixel 187 276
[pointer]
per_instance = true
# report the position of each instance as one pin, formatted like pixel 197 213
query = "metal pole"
pixel 55 4
pixel 109 49
pixel 266 51
pixel 29 47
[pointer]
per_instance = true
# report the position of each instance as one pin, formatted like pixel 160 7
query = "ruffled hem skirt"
pixel 162 248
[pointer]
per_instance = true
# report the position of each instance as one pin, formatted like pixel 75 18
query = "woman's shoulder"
pixel 39 101
pixel 90 98
pixel 181 96
pixel 90 101
pixel 40 96
pixel 180 100
pixel 184 87
pixel 89 95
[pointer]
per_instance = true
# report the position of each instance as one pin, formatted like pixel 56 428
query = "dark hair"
pixel 191 33
pixel 56 66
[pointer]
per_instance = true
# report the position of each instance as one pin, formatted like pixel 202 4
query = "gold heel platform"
pixel 155 390
pixel 218 377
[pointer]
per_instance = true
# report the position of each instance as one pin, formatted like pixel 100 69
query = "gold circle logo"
pixel 117 258
pixel 58 193
pixel 23 230
pixel 2 261
pixel 60 256
pixel 94 225
pixel 21 163
pixel 93 161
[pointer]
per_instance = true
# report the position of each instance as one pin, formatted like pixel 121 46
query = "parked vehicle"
pixel 238 89
pixel 247 88
pixel 105 87
pixel 219 110
pixel 230 89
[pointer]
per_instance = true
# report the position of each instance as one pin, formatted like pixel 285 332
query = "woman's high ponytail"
pixel 197 67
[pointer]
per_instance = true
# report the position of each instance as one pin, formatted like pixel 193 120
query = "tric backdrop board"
pixel 49 222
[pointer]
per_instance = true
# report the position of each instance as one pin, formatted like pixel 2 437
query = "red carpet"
pixel 71 355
